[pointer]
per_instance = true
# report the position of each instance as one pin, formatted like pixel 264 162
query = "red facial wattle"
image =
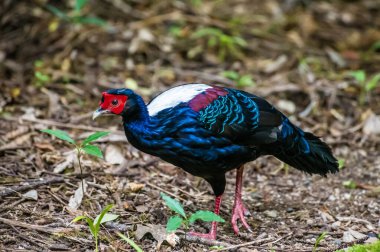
pixel 113 103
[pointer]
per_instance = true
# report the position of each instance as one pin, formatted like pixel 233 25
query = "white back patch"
pixel 175 96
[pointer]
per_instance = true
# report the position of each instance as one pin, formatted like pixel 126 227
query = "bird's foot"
pixel 238 213
pixel 209 236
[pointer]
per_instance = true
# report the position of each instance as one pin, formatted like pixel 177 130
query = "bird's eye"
pixel 114 102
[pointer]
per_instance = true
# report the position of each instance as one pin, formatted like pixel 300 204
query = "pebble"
pixel 271 213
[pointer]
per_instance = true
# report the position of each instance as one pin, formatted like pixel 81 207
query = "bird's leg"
pixel 212 234
pixel 239 210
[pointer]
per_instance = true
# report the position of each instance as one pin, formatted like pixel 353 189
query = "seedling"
pixel 366 85
pixel 341 164
pixel 76 15
pixel 94 224
pixel 181 218
pixel 227 45
pixel 41 78
pixel 319 239
pixel 241 80
pixel 349 184
pixel 81 147
pixel 130 242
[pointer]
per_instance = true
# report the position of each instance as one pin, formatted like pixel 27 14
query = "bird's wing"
pixel 243 118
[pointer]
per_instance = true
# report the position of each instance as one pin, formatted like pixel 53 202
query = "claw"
pixel 209 236
pixel 238 213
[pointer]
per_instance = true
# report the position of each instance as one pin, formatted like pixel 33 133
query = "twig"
pixel 260 242
pixel 14 189
pixel 64 125
pixel 163 190
pixel 39 228
pixel 203 241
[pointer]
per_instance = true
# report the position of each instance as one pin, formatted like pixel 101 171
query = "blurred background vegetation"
pixel 292 46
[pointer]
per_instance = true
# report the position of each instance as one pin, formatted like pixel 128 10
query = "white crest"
pixel 175 96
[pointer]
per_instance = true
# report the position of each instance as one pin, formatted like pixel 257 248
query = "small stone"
pixel 142 209
pixel 32 194
pixel 357 234
pixel 336 225
pixel 271 213
pixel 347 237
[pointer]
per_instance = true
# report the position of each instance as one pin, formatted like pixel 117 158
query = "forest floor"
pixel 317 61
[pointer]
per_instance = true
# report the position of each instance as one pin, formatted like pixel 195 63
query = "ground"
pixel 314 60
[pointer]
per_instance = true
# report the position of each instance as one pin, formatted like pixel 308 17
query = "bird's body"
pixel 208 130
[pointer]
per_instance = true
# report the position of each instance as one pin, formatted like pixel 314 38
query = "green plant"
pixel 94 224
pixel 181 218
pixel 41 78
pixel 76 15
pixel 350 184
pixel 81 147
pixel 227 45
pixel 130 242
pixel 371 247
pixel 341 163
pixel 241 80
pixel 319 239
pixel 366 84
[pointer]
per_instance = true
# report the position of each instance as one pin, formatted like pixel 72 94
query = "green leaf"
pixel 94 137
pixel 99 218
pixel 130 242
pixel 173 223
pixel 89 20
pixel 341 163
pixel 89 223
pixel 319 239
pixel 79 4
pixel 246 81
pixel 372 84
pixel 205 216
pixel 232 75
pixel 240 41
pixel 359 76
pixel 59 134
pixel 106 218
pixel 173 205
pixel 349 184
pixel 93 150
pixel 78 218
pixel 60 14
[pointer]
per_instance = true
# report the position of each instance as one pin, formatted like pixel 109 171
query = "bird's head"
pixel 116 102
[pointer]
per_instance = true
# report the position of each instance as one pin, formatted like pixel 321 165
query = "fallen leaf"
pixel 159 234
pixel 135 187
pixel 114 155
pixel 77 198
pixel 372 125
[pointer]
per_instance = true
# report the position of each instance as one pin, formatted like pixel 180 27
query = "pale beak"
pixel 99 112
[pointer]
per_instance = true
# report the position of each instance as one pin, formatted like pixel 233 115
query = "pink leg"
pixel 239 209
pixel 212 234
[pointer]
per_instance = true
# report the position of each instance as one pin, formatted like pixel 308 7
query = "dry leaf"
pixel 76 199
pixel 135 187
pixel 159 234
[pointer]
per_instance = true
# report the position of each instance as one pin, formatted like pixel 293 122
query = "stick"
pixel 14 189
pixel 64 125
pixel 203 241
pixel 259 241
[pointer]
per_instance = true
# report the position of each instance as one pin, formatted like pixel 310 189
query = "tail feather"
pixel 305 151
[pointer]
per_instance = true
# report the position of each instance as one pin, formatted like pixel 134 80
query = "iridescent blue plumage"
pixel 209 130
pixel 219 129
